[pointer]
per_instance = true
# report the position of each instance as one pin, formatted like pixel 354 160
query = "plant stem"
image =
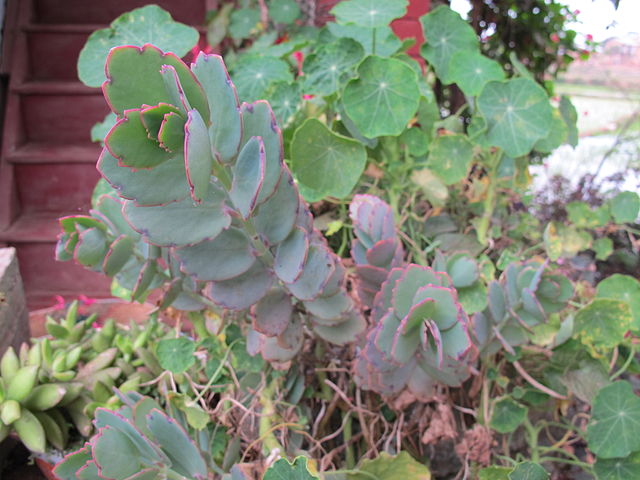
pixel 346 434
pixel 627 362
pixel 269 440
pixel 532 439
pixel 373 41
pixel 490 200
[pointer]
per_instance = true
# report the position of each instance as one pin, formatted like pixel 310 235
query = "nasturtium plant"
pixel 369 13
pixel 150 24
pixel 624 288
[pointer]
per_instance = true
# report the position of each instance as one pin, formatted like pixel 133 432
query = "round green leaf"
pixel 325 161
pixel 603 323
pixel 283 470
pixel 518 114
pixel 176 354
pixel 528 471
pixel 557 134
pixel 242 22
pixel 330 65
pixel 369 13
pixel 450 157
pixel 613 431
pixel 284 11
pixel 507 415
pixel 624 288
pixel 383 98
pixel 386 41
pixel 472 71
pixel 604 248
pixel 285 100
pixel 253 75
pixel 570 117
pixel 150 24
pixel 618 468
pixel 446 34
pixel 387 467
pixel 625 207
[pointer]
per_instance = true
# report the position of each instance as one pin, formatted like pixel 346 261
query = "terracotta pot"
pixel 46 468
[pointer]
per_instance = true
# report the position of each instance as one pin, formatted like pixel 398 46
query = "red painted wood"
pixel 417 8
pixel 409 29
pixel 62 118
pixel 55 187
pixel 191 12
pixel 45 65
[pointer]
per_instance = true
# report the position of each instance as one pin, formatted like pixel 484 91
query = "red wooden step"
pixel 191 12
pixel 54 187
pixel 41 152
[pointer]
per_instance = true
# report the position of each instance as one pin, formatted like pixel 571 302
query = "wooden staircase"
pixel 47 160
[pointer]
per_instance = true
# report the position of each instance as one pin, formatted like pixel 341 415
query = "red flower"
pixel 589 37
pixel 555 38
pixel 299 56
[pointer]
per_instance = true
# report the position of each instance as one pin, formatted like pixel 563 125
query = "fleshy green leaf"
pixel 330 65
pixel 603 323
pixel 197 155
pixel 518 114
pixel 446 34
pixel 226 124
pixel 134 79
pixel 369 13
pixel 471 71
pixel 248 175
pixel 243 291
pixel 450 157
pixel 325 161
pixel 613 431
pixel 228 255
pixel 115 455
pixel 383 98
pixel 150 24
pixel 176 354
pixel 179 223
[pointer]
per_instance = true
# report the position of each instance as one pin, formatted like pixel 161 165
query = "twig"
pixel 537 384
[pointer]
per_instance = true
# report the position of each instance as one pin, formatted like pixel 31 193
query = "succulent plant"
pixel 377 248
pixel 204 206
pixel 522 298
pixel 138 441
pixel 419 337
pixel 27 405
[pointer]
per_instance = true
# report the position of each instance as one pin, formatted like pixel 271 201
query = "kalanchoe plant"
pixel 138 441
pixel 420 335
pixel 377 248
pixel 215 213
pixel 524 296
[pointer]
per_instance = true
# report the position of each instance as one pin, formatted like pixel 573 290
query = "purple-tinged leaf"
pixel 176 444
pixel 304 218
pixel 329 309
pixel 421 384
pixel 226 121
pixel 228 255
pixel 463 270
pixel 437 340
pixel 291 338
pixel 157 186
pixel 248 176
pixel 198 157
pixel 420 311
pixel 275 218
pixel 147 474
pixel 254 342
pixel 115 455
pixel 110 207
pixel 152 118
pixel 381 254
pixel 91 247
pixel 291 255
pixel 71 463
pixel 180 223
pixel 89 471
pixel 382 301
pixel 316 274
pixel 372 277
pixel 456 341
pixel 336 280
pixel 171 293
pixel 404 346
pixel 351 329
pixel 259 121
pixel 446 309
pixel 70 224
pixel 383 339
pixel 244 290
pixel 358 252
pixel 171 134
pixel 145 278
pixel 413 277
pixel 272 313
pixel 497 305
pixel 532 306
pixel 134 79
pixel 119 253
pixel 272 352
pixel 174 88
